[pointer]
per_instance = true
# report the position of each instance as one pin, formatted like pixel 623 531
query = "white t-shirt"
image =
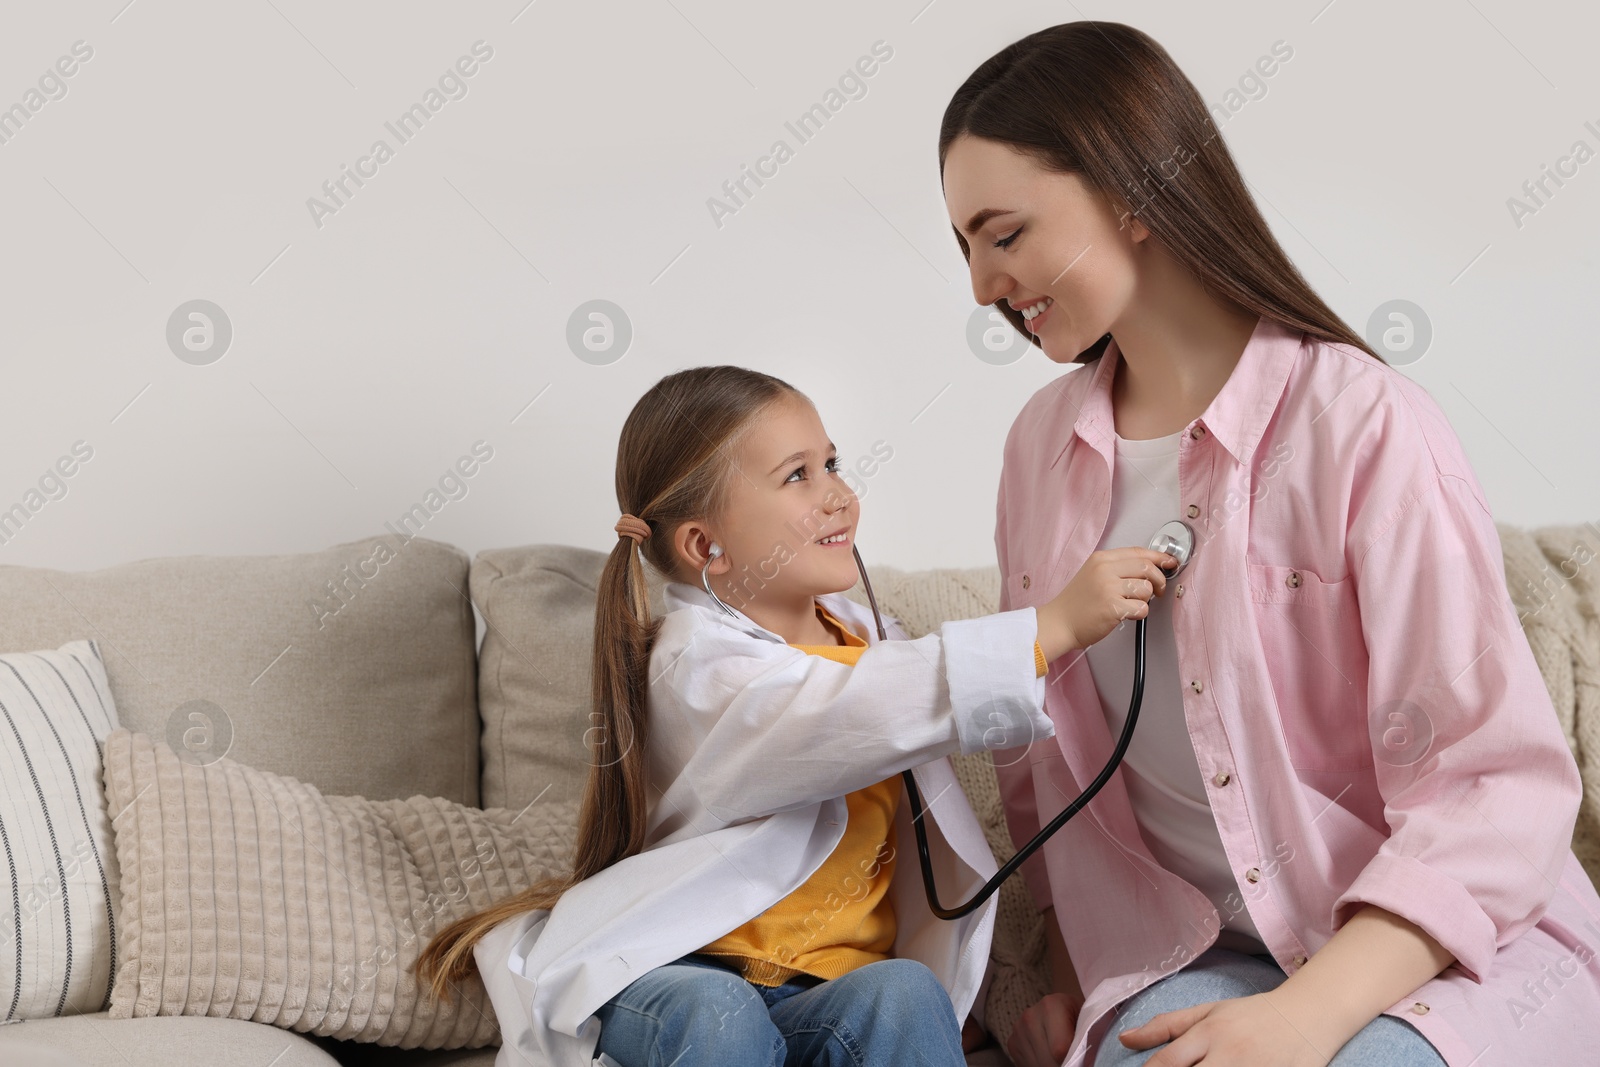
pixel 1159 767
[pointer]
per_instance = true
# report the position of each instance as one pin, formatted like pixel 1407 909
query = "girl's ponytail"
pixel 674 465
pixel 615 802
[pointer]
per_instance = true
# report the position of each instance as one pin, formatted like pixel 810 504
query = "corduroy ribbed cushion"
pixel 250 895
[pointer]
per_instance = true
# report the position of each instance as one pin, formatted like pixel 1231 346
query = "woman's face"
pixel 1062 242
pixel 782 506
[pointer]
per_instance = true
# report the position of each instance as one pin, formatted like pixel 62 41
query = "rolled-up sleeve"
pixel 1480 789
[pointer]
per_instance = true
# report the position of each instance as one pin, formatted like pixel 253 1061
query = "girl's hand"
pixel 1238 1032
pixel 1043 1035
pixel 1113 584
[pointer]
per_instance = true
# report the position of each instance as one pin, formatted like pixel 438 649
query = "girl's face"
pixel 780 507
pixel 1035 234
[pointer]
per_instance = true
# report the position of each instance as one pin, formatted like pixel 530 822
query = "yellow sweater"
pixel 842 917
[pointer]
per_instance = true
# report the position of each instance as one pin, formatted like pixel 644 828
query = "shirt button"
pixel 1223 778
pixel 1419 1008
pixel 1196 686
pixel 1293 581
pixel 1025 582
pixel 1299 961
pixel 1253 874
pixel 1194 511
pixel 1180 590
pixel 1198 432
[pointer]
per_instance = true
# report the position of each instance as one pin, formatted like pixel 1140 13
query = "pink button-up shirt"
pixel 1368 718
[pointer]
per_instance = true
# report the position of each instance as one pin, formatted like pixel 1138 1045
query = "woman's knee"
pixel 1390 1041
pixel 1217 974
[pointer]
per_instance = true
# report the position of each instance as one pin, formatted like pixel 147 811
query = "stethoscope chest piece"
pixel 1177 540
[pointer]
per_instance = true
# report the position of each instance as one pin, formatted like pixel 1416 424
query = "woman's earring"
pixel 716 550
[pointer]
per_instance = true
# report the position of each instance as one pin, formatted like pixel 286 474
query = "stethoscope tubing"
pixel 924 857
pixel 1046 832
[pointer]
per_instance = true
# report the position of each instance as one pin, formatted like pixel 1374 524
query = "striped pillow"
pixel 57 946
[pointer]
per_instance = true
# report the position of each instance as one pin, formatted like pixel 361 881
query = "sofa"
pixel 351 681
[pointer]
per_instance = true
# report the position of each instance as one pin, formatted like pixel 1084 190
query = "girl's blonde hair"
pixel 674 464
pixel 1105 101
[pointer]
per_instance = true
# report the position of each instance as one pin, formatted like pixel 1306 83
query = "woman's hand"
pixel 1238 1032
pixel 1043 1035
pixel 1113 584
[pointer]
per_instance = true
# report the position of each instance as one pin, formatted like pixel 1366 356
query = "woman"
pixel 1342 830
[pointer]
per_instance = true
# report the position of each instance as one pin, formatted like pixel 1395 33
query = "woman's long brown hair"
pixel 674 464
pixel 1105 101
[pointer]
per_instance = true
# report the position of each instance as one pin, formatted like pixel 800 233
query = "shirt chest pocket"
pixel 1310 631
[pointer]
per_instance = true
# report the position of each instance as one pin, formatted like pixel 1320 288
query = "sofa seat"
pixel 158 1041
pixel 163 1041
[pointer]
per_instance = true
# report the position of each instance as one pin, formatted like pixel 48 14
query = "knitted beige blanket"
pixel 1551 573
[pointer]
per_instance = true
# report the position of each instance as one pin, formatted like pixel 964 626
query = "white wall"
pixel 371 351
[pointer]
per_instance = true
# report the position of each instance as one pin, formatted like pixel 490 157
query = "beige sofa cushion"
pixel 352 668
pixel 250 895
pixel 534 668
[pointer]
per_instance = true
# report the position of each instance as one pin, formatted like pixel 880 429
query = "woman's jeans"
pixel 1218 974
pixel 697 1012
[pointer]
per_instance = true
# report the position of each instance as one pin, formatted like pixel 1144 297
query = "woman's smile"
pixel 1042 317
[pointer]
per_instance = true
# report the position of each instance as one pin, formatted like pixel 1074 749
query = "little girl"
pixel 736 896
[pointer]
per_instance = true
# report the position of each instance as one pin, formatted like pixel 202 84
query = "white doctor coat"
pixel 753 746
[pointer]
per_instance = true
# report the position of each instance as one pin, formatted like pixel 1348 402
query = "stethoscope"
pixel 1177 540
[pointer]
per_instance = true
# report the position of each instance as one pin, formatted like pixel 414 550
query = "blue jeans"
pixel 698 1012
pixel 1218 974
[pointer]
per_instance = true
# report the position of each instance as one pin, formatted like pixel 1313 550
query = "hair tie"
pixel 632 526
